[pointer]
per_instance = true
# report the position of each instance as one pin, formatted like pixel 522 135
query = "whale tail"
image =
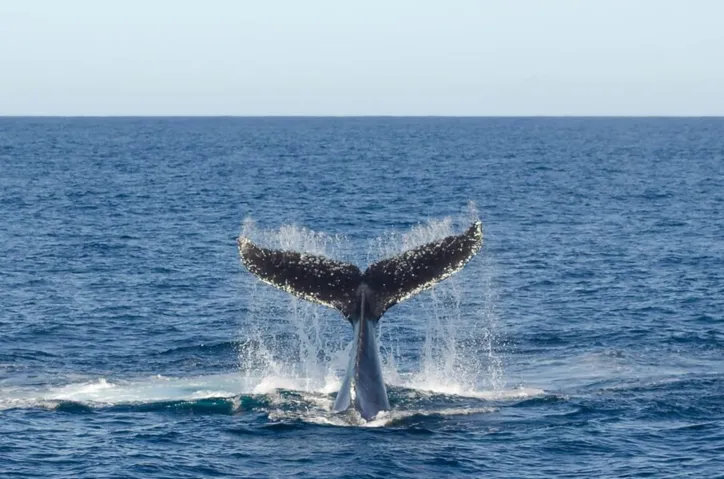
pixel 337 284
pixel 311 277
pixel 362 298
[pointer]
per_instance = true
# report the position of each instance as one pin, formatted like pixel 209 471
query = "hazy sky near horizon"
pixel 372 57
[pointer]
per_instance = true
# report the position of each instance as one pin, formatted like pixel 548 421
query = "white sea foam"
pixel 103 392
pixel 387 418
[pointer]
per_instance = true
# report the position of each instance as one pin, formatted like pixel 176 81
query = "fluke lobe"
pixel 362 298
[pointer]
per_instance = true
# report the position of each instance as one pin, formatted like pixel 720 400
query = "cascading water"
pixel 292 344
pixel 286 342
pixel 457 318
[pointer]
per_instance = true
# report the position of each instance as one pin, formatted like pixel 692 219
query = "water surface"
pixel 585 339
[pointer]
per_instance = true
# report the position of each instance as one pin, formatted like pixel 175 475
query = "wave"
pixel 234 393
pixel 203 349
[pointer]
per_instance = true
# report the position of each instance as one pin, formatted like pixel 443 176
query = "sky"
pixel 371 57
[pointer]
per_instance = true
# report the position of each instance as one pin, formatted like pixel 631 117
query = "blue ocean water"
pixel 586 339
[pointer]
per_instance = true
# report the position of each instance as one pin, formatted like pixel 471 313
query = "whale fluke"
pixel 362 298
pixel 335 284
pixel 311 277
pixel 399 278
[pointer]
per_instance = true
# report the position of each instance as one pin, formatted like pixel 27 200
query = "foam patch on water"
pixel 281 404
pixel 102 392
pixel 422 386
pixel 383 419
pixel 270 384
pixel 320 413
pixel 389 418
pixel 316 407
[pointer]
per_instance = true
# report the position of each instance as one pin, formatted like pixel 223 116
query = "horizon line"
pixel 80 116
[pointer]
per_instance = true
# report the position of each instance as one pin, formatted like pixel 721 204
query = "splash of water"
pixel 458 355
pixel 288 343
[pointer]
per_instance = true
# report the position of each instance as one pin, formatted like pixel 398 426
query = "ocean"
pixel 586 338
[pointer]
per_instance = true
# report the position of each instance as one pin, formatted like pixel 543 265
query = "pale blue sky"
pixel 372 57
